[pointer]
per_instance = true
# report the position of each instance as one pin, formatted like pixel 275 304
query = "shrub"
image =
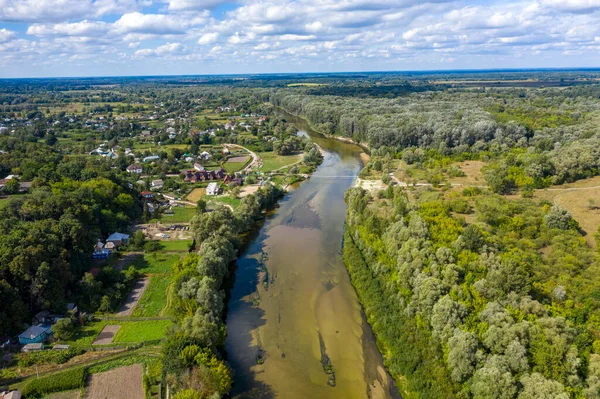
pixel 58 357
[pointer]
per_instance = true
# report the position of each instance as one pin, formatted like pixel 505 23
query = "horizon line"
pixel 415 71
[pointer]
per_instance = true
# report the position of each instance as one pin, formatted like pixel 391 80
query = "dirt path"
pixel 134 296
pixel 122 383
pixel 107 335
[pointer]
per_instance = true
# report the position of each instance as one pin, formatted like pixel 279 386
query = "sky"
pixel 41 38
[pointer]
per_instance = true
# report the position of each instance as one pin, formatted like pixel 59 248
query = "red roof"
pixel 95 271
pixel 144 193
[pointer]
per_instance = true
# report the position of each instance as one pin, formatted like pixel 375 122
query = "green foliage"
pixel 62 381
pixel 48 356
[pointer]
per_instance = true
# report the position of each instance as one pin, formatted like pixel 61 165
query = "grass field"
pixel 138 331
pixel 180 215
pixel 575 197
pixel 196 194
pixel 156 263
pixel 176 246
pixel 232 167
pixel 272 161
pixel 154 299
pixel 233 202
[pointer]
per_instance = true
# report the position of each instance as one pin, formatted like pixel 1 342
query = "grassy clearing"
pixel 84 336
pixel 180 215
pixel 272 161
pixel 231 201
pixel 196 194
pixel 139 331
pixel 176 246
pixel 232 167
pixel 575 198
pixel 155 263
pixel 473 175
pixel 153 301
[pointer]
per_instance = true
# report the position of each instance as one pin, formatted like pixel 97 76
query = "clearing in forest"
pixel 122 383
pixel 107 335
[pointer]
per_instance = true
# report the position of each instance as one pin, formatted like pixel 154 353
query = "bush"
pixel 58 382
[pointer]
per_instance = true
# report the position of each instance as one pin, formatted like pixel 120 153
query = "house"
pixel 151 158
pixel 212 189
pixel 237 181
pixel 198 167
pixel 101 253
pixel 226 151
pixel 146 194
pixel 194 176
pixel 205 155
pixel 135 169
pixel 95 271
pixel 38 346
pixel 42 317
pixel 11 395
pixel 118 239
pixel 35 335
pixel 189 159
pixel 158 184
pixel 110 246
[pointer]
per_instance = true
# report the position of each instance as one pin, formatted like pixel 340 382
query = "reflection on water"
pixel 295 326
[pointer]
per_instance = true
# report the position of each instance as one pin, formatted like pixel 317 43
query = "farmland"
pixel 124 382
pixel 273 161
pixel 155 263
pixel 154 299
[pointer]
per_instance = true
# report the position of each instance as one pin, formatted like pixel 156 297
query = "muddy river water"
pixel 295 326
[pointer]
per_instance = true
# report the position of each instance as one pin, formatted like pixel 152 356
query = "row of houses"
pixel 195 176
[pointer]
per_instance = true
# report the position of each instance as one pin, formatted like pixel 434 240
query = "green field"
pixel 139 331
pixel 155 263
pixel 180 215
pixel 154 299
pixel 176 246
pixel 232 167
pixel 84 336
pixel 272 161
pixel 233 202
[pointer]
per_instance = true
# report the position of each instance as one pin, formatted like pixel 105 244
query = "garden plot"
pixel 107 335
pixel 134 296
pixel 122 383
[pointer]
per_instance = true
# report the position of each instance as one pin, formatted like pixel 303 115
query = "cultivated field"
pixel 153 301
pixel 196 194
pixel 122 383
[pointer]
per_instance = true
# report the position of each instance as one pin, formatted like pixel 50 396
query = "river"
pixel 293 316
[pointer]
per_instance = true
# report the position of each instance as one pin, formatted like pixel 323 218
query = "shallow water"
pixel 293 309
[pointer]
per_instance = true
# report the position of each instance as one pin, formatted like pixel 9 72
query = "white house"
pixel 212 189
pixel 158 183
pixel 198 167
pixel 205 155
pixel 135 169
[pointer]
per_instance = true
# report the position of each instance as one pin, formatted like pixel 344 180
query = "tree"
pixel 138 240
pixel 493 380
pixel 559 218
pixel 12 186
pixel 461 357
pixel 152 246
pixel 535 386
pixel 201 206
pixel 63 329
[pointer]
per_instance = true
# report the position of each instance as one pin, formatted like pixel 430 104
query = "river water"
pixel 293 310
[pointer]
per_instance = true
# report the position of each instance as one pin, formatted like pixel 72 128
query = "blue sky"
pixel 156 37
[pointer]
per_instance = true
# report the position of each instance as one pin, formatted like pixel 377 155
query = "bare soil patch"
pixel 134 296
pixel 122 383
pixel 239 159
pixel 106 335
pixel 473 175
pixel 249 190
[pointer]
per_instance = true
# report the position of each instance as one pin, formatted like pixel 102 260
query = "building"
pixel 158 184
pixel 212 189
pixel 110 246
pixel 11 395
pixel 205 155
pixel 198 167
pixel 42 317
pixel 194 176
pixel 102 253
pixel 33 347
pixel 35 334
pixel 147 194
pixel 151 158
pixel 118 239
pixel 135 169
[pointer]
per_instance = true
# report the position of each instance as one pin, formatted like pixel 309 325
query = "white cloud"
pixel 84 28
pixel 151 23
pixel 6 35
pixel 186 5
pixel 208 38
